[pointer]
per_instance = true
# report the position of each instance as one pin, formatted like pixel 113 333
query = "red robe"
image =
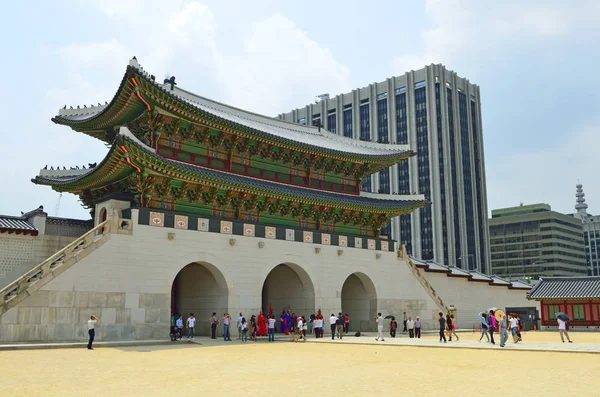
pixel 262 325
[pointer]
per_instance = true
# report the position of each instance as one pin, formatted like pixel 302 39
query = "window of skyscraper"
pixel 382 125
pixel 365 124
pixel 478 189
pixel 384 181
pixel 424 177
pixel 331 121
pixel 381 96
pixel 401 89
pixel 316 121
pixel 420 84
pixel 366 185
pixel 348 123
pixel 401 120
pixel 467 179
pixel 453 173
pixel 440 138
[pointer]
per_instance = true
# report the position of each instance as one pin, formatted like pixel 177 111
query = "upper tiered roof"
pixel 138 90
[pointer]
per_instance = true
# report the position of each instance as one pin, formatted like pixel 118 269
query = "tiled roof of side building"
pixel 566 288
pixel 263 185
pixel 14 224
pixel 264 126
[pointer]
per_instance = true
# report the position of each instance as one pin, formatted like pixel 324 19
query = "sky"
pixel 536 63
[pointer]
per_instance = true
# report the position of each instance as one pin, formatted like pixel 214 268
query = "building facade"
pixel 438 114
pixel 200 207
pixel 578 297
pixel 533 241
pixel 591 233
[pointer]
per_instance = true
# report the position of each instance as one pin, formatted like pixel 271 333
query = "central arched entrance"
pixel 288 286
pixel 199 288
pixel 359 301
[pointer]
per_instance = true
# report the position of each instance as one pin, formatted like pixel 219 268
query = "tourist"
pixel 346 323
pixel 519 328
pixel 379 321
pixel 179 324
pixel 503 331
pixel 304 327
pixel 418 327
pixel 311 321
pixel 393 327
pixel 239 325
pixel 410 325
pixel 271 329
pixel 332 325
pixel 300 326
pixel 262 325
pixel 484 327
pixel 514 325
pixel 320 324
pixel 226 322
pixel 492 325
pixel 453 322
pixel 191 325
pixel 253 328
pixel 340 325
pixel 562 330
pixel 92 333
pixel 286 324
pixel 448 328
pixel 442 323
pixel 404 319
pixel 213 325
pixel 244 330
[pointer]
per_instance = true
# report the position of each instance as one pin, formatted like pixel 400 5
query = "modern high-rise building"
pixel 438 114
pixel 591 233
pixel 533 241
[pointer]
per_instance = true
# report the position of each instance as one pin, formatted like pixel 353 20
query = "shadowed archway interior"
pixel 199 288
pixel 288 286
pixel 359 301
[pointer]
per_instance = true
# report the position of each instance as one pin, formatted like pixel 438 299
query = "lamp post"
pixel 468 261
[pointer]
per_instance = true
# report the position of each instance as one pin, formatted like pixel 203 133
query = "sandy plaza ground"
pixel 264 369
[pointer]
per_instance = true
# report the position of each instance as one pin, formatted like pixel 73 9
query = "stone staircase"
pixel 402 254
pixel 40 275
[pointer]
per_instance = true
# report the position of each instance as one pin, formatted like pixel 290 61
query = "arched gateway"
pixel 359 301
pixel 199 288
pixel 288 286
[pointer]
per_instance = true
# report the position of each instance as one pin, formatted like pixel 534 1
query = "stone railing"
pixel 426 285
pixel 41 274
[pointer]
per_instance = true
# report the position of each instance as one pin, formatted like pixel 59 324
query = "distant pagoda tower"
pixel 175 151
pixel 581 206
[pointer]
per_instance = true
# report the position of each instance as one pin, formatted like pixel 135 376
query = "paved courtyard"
pixel 216 367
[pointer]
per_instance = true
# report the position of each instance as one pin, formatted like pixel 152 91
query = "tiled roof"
pixel 267 186
pixel 262 126
pixel 14 224
pixel 566 288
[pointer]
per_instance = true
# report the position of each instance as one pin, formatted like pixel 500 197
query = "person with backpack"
pixel 484 326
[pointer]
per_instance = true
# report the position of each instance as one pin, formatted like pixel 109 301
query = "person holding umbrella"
pixel 562 319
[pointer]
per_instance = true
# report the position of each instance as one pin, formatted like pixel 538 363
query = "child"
pixel 244 330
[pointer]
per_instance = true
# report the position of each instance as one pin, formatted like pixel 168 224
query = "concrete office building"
pixel 533 241
pixel 591 233
pixel 438 114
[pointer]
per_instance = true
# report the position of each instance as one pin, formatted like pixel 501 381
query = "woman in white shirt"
pixel 514 324
pixel 562 329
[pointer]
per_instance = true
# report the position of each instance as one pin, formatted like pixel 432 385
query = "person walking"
pixel 213 325
pixel 226 331
pixel 492 325
pixel 484 327
pixel 519 328
pixel 339 325
pixel 179 324
pixel 418 328
pixel 244 330
pixel 453 322
pixel 404 320
pixel 332 324
pixel 271 328
pixel 393 327
pixel 410 325
pixel 253 328
pixel 449 327
pixel 442 323
pixel 239 325
pixel 503 332
pixel 379 321
pixel 92 332
pixel 514 327
pixel 301 329
pixel 562 330
pixel 191 326
pixel 346 323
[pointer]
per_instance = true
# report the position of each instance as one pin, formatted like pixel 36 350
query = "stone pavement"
pixel 365 339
